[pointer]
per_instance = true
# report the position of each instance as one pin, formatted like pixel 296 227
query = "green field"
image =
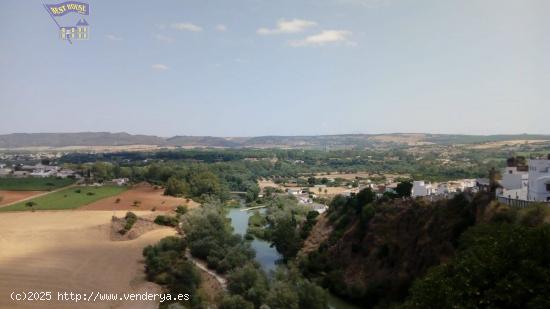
pixel 33 184
pixel 68 198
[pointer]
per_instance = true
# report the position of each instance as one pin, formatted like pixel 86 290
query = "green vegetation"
pixel 182 210
pixel 285 223
pixel 210 238
pixel 166 264
pixel 68 198
pixel 166 220
pixel 497 266
pixel 130 219
pixel 374 254
pixel 377 248
pixel 34 184
pixel 30 204
pixel 288 289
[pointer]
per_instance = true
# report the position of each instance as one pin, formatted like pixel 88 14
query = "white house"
pixel 120 181
pixel 294 191
pixel 514 179
pixel 42 173
pixel 5 171
pixel 421 188
pixel 539 180
pixel 64 173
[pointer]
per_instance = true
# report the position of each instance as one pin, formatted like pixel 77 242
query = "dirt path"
pixel 202 266
pixel 38 195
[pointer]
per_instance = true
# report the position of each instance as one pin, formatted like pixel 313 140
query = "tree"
pixel 497 266
pixel 494 176
pixel 235 302
pixel 285 236
pixel 311 296
pixel 283 296
pixel 174 187
pixel 30 204
pixel 248 282
pixel 404 188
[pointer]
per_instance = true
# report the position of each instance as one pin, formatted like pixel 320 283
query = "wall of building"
pixel 539 177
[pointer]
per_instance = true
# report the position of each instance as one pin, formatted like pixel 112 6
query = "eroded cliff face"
pixel 374 260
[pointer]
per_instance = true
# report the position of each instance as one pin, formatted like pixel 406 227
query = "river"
pixel 268 256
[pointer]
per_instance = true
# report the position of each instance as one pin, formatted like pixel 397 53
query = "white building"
pixel 120 181
pixel 514 179
pixel 5 171
pixel 42 173
pixel 539 180
pixel 65 173
pixel 294 191
pixel 421 188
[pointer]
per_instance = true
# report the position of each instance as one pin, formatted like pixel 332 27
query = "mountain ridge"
pixel 22 140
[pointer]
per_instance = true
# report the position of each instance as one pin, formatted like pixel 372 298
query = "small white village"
pixel 521 183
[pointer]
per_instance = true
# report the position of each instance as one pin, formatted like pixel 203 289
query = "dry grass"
pixel 506 143
pixel 71 251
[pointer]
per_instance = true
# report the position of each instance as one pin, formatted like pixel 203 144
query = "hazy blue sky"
pixel 285 67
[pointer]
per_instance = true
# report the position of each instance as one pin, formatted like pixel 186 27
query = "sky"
pixel 285 67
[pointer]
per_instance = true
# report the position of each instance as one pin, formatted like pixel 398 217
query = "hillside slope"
pixel 373 259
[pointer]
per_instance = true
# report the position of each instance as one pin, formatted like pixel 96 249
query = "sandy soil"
pixel 409 138
pixel 210 289
pixel 320 232
pixel 351 176
pixel 330 190
pixel 9 197
pixel 70 251
pixel 148 198
pixel 504 143
pixel 269 183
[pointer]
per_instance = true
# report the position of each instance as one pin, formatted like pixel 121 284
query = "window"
pixel 548 187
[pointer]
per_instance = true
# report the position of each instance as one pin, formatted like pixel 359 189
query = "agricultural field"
pixel 71 251
pixel 33 184
pixel 69 198
pixel 8 197
pixel 142 196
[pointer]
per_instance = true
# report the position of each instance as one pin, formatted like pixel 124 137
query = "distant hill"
pixel 201 141
pixel 18 140
pixel 25 140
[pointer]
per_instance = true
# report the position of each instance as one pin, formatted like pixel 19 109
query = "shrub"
pixel 235 302
pixel 181 209
pixel 166 220
pixel 533 216
pixel 131 219
pixel 497 266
